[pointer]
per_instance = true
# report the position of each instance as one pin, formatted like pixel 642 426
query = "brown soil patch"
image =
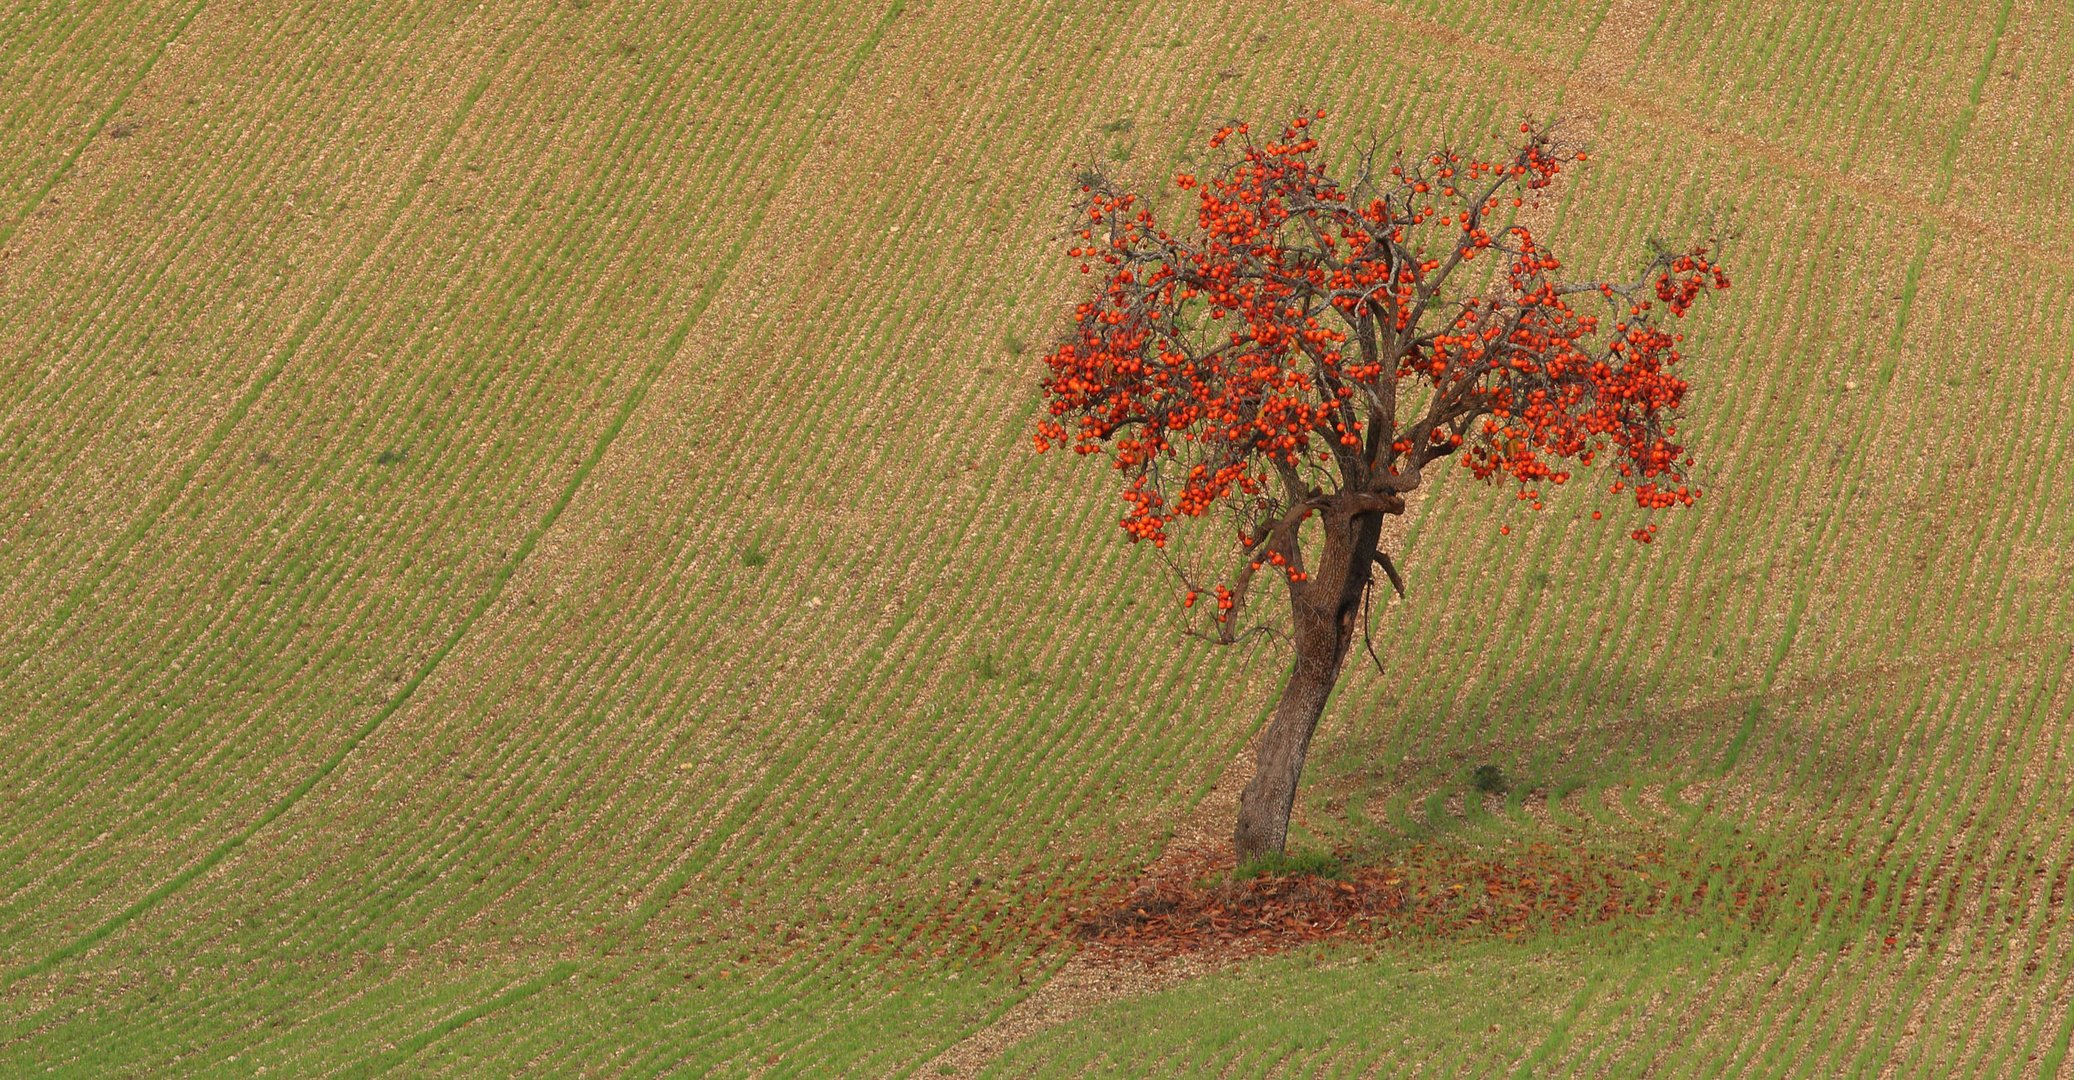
pixel 1431 892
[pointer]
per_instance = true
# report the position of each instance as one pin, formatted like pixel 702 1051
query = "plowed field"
pixel 520 553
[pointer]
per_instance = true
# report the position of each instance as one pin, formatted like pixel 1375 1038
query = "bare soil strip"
pixel 1618 42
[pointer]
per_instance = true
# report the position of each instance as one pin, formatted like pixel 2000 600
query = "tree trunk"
pixel 1324 612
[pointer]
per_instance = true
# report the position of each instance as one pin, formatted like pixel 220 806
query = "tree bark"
pixel 1324 613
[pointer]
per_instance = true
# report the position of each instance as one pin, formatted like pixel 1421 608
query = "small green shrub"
pixel 1489 779
pixel 1287 864
pixel 755 556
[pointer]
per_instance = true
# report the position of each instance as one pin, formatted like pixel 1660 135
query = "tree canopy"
pixel 1308 348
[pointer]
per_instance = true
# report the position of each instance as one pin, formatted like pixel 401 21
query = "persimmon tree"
pixel 1300 359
